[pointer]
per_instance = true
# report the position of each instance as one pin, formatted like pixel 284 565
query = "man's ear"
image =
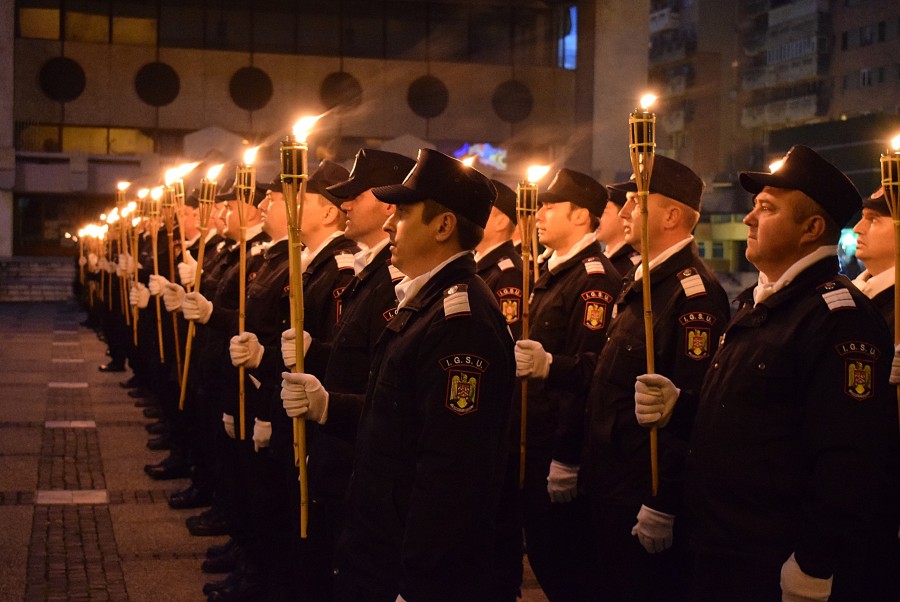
pixel 445 226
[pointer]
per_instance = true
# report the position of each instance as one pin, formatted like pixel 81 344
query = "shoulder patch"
pixel 396 274
pixel 505 264
pixel 692 283
pixel 837 297
pixel 464 372
pixel 592 265
pixel 344 261
pixel 456 301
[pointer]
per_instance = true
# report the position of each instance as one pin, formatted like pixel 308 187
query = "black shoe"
pixel 146 402
pixel 218 550
pixel 244 590
pixel 165 471
pixel 191 498
pixel 208 524
pixel 131 383
pixel 112 367
pixel 156 428
pixel 159 443
pixel 137 393
pixel 228 581
pixel 152 412
pixel 226 563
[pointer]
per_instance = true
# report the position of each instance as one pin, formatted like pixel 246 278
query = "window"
pixel 134 23
pixel 318 28
pixel 91 140
pixel 882 31
pixel 701 249
pixel 39 19
pixel 865 78
pixel 867 35
pixel 449 32
pixel 718 250
pixel 181 26
pixel 363 29
pixel 844 41
pixel 274 32
pixel 568 42
pixel 406 29
pixel 87 21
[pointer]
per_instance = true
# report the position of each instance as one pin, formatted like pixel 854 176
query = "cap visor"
pixel 398 194
pixel 347 189
pixel 550 197
pixel 755 181
pixel 627 186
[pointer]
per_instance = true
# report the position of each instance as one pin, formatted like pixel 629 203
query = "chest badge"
pixel 859 379
pixel 463 375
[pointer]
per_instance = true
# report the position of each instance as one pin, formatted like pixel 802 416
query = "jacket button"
pixel 761 366
pixel 628 347
pixel 396 405
pixel 716 365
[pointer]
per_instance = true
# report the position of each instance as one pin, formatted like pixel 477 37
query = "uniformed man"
pixel 431 445
pixel 786 472
pixel 570 313
pixel 497 261
pixel 367 304
pixel 875 248
pixel 632 527
pixel 611 232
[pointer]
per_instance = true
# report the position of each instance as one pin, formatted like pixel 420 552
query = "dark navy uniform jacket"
pixel 431 446
pixel 690 311
pixel 625 258
pixel 792 433
pixel 501 270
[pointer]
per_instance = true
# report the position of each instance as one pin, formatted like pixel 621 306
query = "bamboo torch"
pixel 141 216
pixel 526 210
pixel 122 205
pixel 168 207
pixel 245 188
pixel 207 201
pixel 155 196
pixel 294 175
pixel 111 220
pixel 81 235
pixel 890 179
pixel 642 148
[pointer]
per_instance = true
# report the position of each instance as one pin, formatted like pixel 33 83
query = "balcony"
pixel 664 19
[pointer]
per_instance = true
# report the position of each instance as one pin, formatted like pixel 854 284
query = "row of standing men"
pixel 777 449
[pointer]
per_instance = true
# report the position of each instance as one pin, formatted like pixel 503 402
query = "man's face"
pixel 365 215
pixel 774 236
pixel 190 218
pixel 411 239
pixel 610 224
pixel 553 223
pixel 274 213
pixel 232 220
pixel 875 238
pixel 217 217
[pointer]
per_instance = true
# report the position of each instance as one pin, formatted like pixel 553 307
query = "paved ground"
pixel 80 520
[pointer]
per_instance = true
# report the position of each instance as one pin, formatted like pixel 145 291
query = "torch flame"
pixel 123 186
pixel 536 172
pixel 113 216
pixel 214 172
pixel 303 127
pixel 135 222
pixel 156 193
pixel 131 206
pixel 102 217
pixel 127 209
pixel 468 161
pixel 81 233
pixel 186 168
pixel 647 101
pixel 250 155
pixel 143 192
pixel 895 143
pixel 773 167
pixel 171 176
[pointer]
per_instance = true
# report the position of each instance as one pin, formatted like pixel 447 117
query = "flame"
pixel 171 176
pixel 647 100
pixel 156 193
pixel 127 209
pixel 186 168
pixel 67 235
pixel 773 167
pixel 895 143
pixel 250 155
pixel 304 126
pixel 113 216
pixel 214 172
pixel 102 217
pixel 536 172
pixel 123 186
pixel 81 232
pixel 143 192
pixel 469 161
pixel 135 222
pixel 131 206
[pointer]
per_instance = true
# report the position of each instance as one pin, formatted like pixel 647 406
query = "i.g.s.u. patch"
pixel 596 305
pixel 697 333
pixel 464 374
pixel 510 299
pixel 859 368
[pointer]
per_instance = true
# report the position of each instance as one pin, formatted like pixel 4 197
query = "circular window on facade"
pixel 340 89
pixel 427 97
pixel 250 88
pixel 512 101
pixel 62 79
pixel 157 84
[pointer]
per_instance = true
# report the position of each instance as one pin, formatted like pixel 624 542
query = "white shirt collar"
pixel 871 286
pixel 662 257
pixel 307 255
pixel 366 254
pixel 556 260
pixel 765 289
pixel 253 231
pixel 479 256
pixel 609 251
pixel 209 235
pixel 407 288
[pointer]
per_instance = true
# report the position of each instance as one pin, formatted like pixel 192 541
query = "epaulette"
pixel 395 273
pixel 505 264
pixel 837 297
pixel 256 248
pixel 593 266
pixel 344 260
pixel 692 283
pixel 456 301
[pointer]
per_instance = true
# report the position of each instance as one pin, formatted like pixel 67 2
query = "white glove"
pixel 531 360
pixel 125 265
pixel 187 269
pixel 228 422
pixel 262 433
pixel 289 348
pixel 302 395
pixel 82 261
pixel 157 284
pixel 562 482
pixel 139 295
pixel 895 367
pixel 110 266
pixel 797 586
pixel 196 307
pixel 173 297
pixel 93 261
pixel 245 350
pixel 654 399
pixel 654 530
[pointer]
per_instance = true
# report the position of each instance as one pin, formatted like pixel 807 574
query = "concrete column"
pixel 621 33
pixel 7 154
